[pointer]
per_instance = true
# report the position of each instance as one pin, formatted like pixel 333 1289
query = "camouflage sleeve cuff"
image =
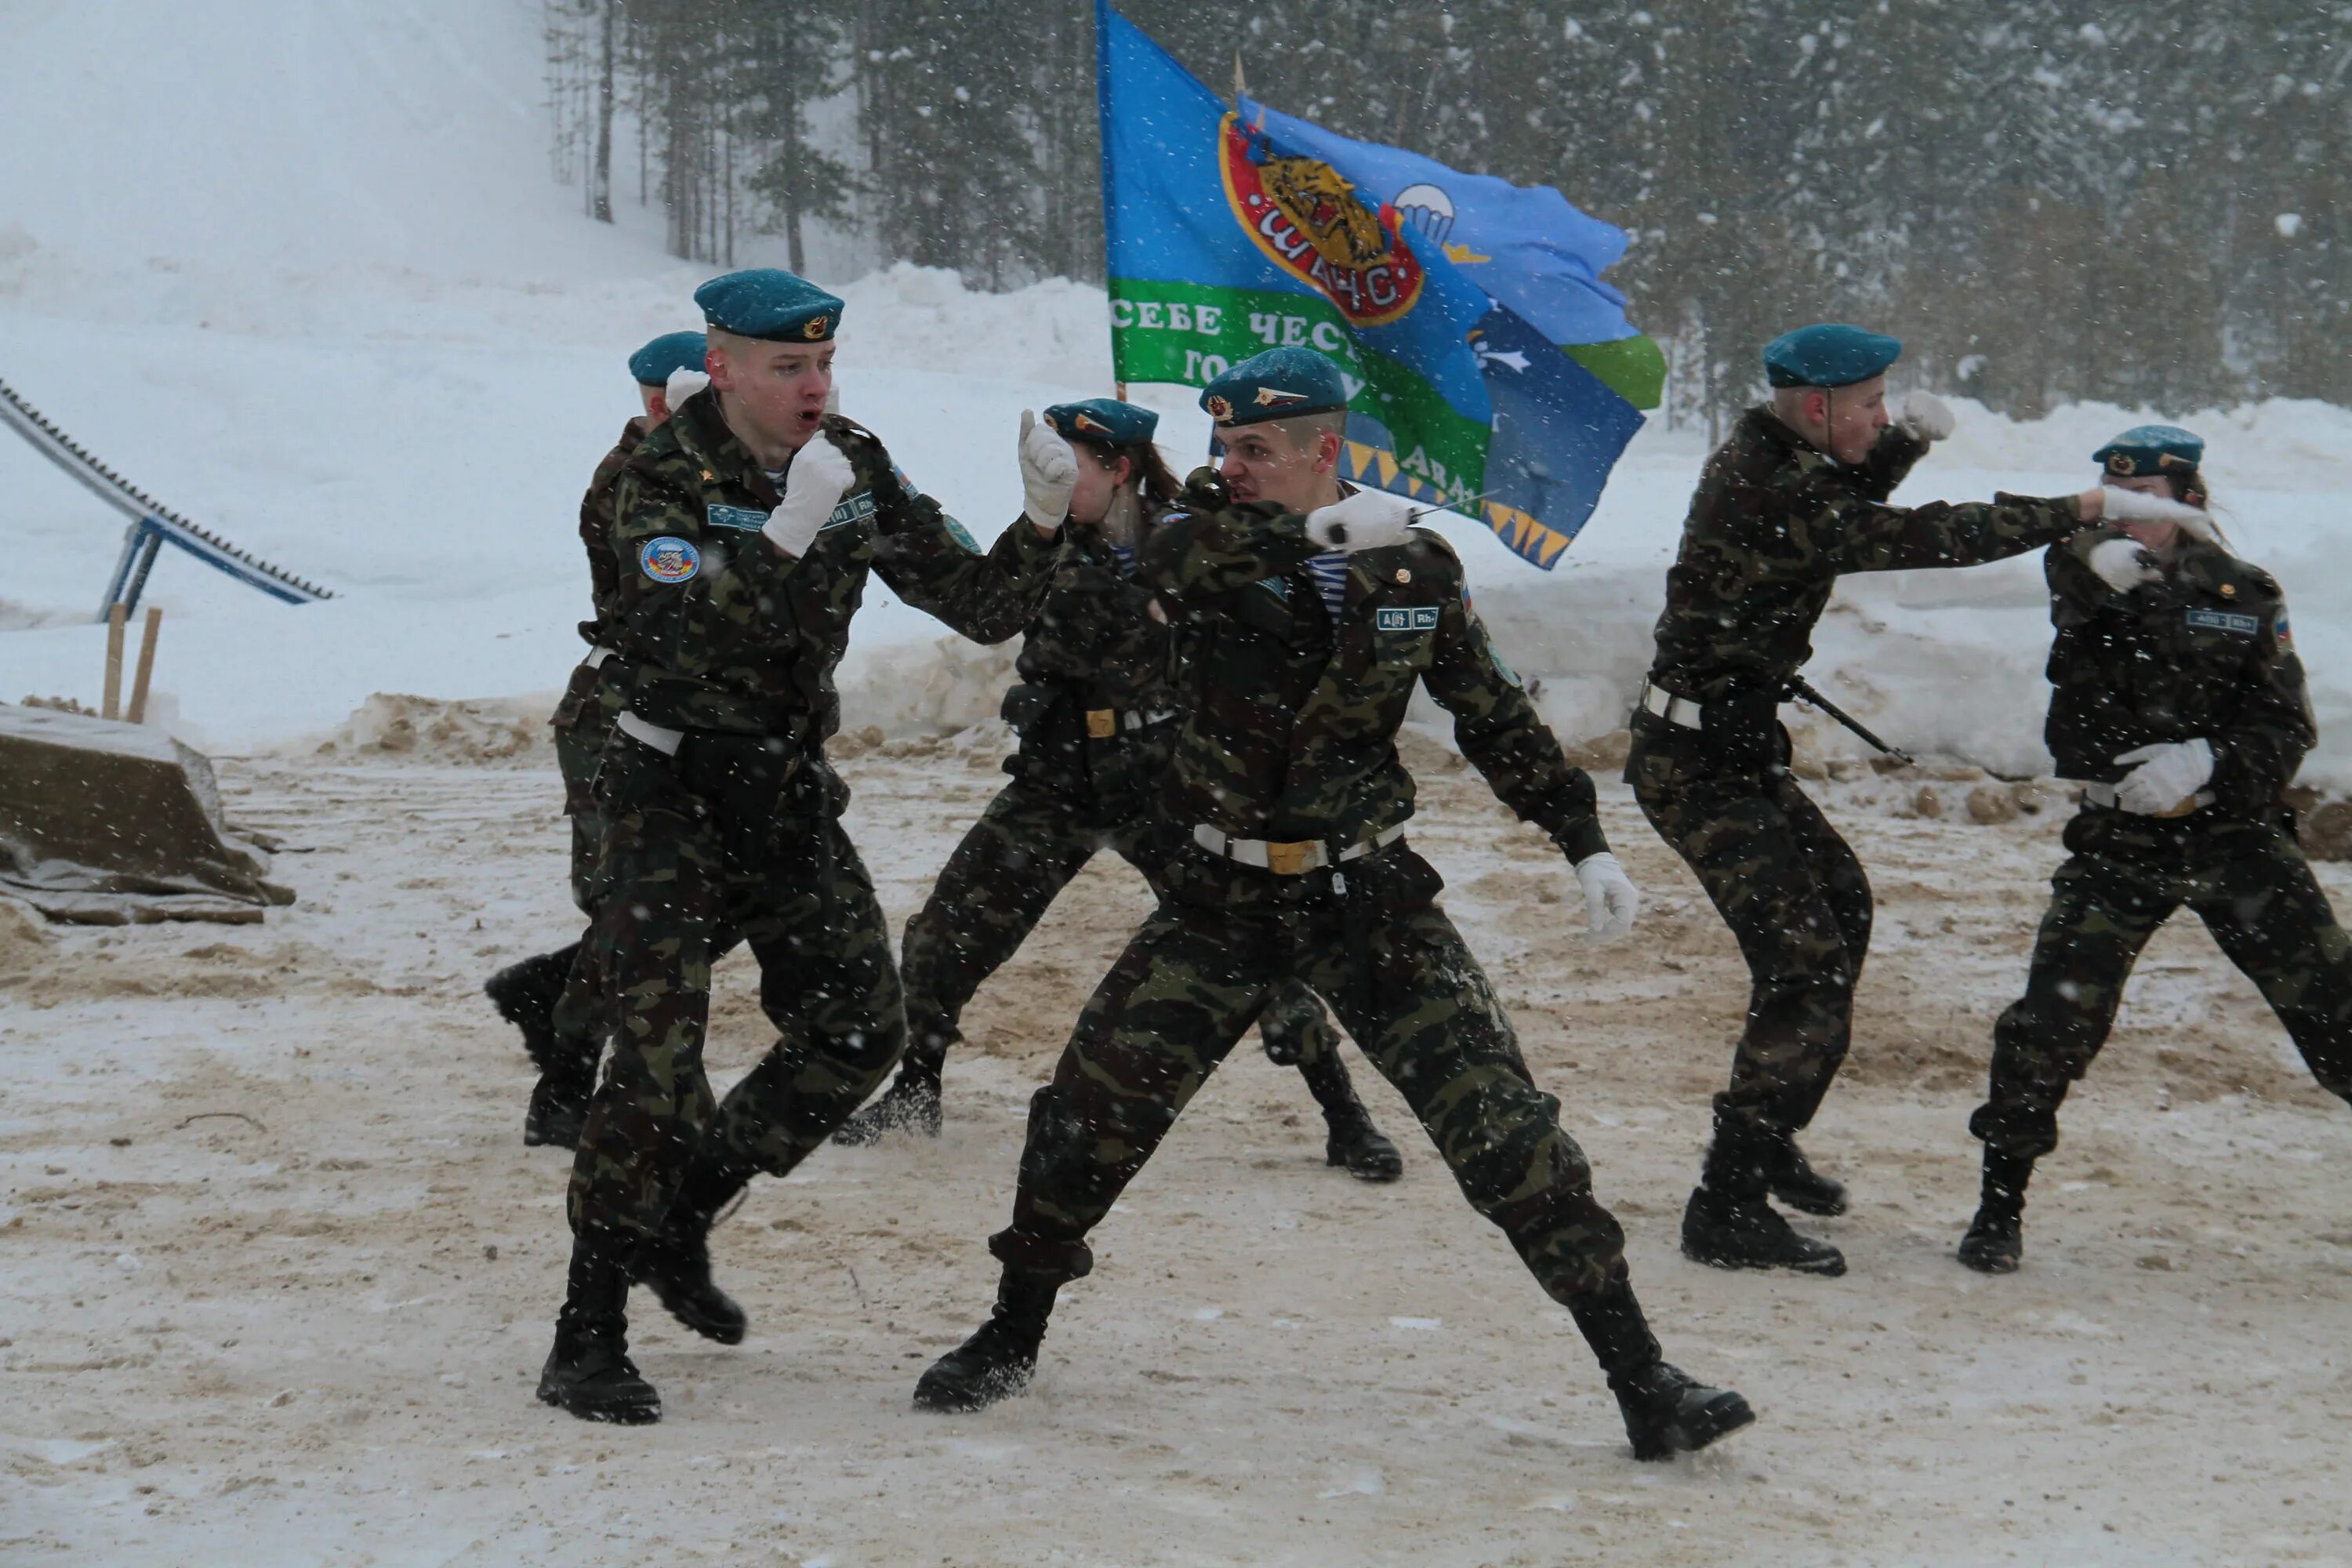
pixel 1582 841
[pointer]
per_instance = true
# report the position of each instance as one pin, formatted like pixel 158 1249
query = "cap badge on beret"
pixel 1275 397
pixel 1219 408
pixel 1087 424
pixel 816 327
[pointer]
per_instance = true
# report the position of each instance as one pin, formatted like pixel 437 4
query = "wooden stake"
pixel 138 714
pixel 1122 390
pixel 112 707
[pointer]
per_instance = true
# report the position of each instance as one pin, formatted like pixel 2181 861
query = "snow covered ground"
pixel 279 1273
pixel 305 277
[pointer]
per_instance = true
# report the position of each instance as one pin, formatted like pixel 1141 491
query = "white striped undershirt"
pixel 1330 570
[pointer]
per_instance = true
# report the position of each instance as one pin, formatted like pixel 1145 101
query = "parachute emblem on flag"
pixel 1305 214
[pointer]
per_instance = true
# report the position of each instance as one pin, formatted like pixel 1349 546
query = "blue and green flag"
pixel 1483 354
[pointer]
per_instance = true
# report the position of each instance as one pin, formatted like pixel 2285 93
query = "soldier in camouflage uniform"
pixel 1095 711
pixel 547 997
pixel 1795 498
pixel 746 527
pixel 1308 636
pixel 2176 694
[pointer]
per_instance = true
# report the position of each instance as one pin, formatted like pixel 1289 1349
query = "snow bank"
pixel 312 285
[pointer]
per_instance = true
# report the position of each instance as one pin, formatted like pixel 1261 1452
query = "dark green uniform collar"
pixel 704 436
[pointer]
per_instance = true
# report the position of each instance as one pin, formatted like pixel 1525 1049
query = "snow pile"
pixel 310 283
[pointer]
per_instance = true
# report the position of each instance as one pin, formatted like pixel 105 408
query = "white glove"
pixel 1926 415
pixel 1369 519
pixel 1611 901
pixel 2131 506
pixel 820 476
pixel 2168 775
pixel 1049 472
pixel 2123 564
pixel 683 384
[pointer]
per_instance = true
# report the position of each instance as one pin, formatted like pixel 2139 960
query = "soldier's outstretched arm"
pixel 689 603
pixel 1850 533
pixel 1197 553
pixel 1498 730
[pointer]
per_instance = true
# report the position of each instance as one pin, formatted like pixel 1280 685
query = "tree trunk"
pixel 600 176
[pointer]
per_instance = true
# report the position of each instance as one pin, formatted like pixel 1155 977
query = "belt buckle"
pixel 1102 723
pixel 1287 859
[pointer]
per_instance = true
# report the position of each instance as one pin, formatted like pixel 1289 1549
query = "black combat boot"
pixel 998 1361
pixel 675 1264
pixel 1354 1141
pixel 558 1112
pixel 589 1373
pixel 1667 1411
pixel 1728 1223
pixel 1996 1240
pixel 911 1104
pixel 525 994
pixel 1795 1183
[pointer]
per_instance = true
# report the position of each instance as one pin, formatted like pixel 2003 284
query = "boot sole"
pixel 1829 1268
pixel 1379 1174
pixel 1718 1418
pixel 724 1330
pixel 2007 1265
pixel 635 1413
pixel 957 1400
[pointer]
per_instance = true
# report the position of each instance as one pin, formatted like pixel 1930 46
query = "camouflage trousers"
pixel 1797 902
pixel 726 841
pixel 999 883
pixel 1403 984
pixel 2124 876
pixel 582 724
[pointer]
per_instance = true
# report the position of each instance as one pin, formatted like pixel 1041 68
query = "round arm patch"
pixel 669 559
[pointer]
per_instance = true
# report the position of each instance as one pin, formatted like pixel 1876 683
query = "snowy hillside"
pixel 309 281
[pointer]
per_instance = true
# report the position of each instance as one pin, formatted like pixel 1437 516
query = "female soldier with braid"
pixel 2177 692
pixel 1093 711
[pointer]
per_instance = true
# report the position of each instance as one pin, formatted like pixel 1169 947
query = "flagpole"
pixel 1110 193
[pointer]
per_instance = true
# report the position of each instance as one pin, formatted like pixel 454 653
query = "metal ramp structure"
pixel 153 525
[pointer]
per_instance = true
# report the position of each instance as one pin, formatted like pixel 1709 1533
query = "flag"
pixel 1527 246
pixel 1231 231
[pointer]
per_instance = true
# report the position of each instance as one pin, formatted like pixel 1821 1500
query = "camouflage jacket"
pixel 596 536
pixel 1775 523
pixel 722 631
pixel 1093 656
pixel 1289 726
pixel 2204 652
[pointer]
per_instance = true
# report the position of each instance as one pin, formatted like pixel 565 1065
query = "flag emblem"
pixel 1307 218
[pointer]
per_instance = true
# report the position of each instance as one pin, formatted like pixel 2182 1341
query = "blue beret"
pixel 1829 353
pixel 654 364
pixel 1280 383
pixel 765 303
pixel 2151 449
pixel 1103 419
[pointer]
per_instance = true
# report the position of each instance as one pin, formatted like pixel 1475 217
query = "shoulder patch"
pixel 960 533
pixel 743 518
pixel 1277 586
pixel 669 559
